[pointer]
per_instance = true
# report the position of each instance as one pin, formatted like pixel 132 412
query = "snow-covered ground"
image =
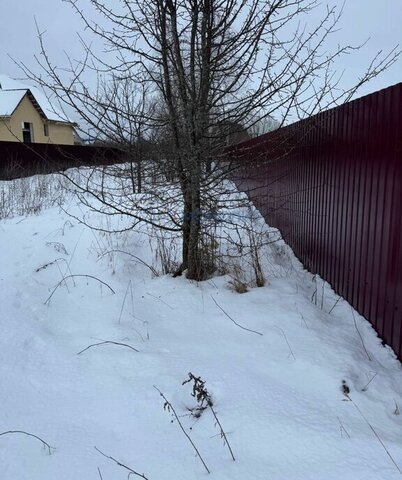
pixel 279 393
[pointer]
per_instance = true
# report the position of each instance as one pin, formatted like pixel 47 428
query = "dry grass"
pixel 30 195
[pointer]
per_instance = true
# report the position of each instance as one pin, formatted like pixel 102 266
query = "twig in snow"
pixel 43 267
pixel 160 300
pixel 100 474
pixel 45 444
pixel 107 342
pixel 302 316
pixel 234 321
pixel 322 295
pixel 378 437
pixel 396 411
pixel 124 301
pixel 62 275
pixel 144 322
pixel 59 247
pixel 154 272
pixel 138 333
pixel 47 301
pixel 132 297
pixel 314 295
pixel 361 338
pixel 368 383
pixel 219 434
pixel 130 470
pixel 334 305
pixel 342 428
pixel 222 432
pixel 68 269
pixel 170 407
pixel 286 340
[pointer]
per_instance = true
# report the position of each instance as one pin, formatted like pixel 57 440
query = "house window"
pixel 46 129
pixel 27 132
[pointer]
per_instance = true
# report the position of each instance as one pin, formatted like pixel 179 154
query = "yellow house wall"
pixel 5 133
pixel 61 134
pixel 26 112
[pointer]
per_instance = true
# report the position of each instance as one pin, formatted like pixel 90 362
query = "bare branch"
pixel 234 321
pixel 154 272
pixel 170 407
pixel 107 342
pixel 130 470
pixel 360 335
pixel 45 444
pixel 47 301
pixel 377 437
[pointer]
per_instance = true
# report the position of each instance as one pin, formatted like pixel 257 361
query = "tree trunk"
pixel 191 226
pixel 195 270
pixel 186 234
pixel 139 177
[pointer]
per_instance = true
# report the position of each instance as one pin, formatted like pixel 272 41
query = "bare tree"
pixel 213 64
pixel 119 116
pixel 263 125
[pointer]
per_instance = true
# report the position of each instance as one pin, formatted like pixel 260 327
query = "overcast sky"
pixel 381 20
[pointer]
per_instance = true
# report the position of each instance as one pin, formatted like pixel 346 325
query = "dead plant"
pixel 204 401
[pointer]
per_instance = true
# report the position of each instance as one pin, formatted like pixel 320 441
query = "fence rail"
pixel 333 185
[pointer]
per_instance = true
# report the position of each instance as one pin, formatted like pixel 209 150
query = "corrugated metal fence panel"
pixel 333 185
pixel 22 160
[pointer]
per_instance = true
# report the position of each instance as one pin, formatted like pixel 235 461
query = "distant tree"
pixel 214 65
pixel 264 125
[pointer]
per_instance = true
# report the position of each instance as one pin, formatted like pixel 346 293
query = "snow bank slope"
pixel 278 395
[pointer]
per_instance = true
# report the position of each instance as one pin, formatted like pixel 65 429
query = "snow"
pixel 8 83
pixel 11 89
pixel 278 395
pixel 9 101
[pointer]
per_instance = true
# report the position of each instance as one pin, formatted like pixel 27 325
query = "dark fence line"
pixel 23 160
pixel 332 184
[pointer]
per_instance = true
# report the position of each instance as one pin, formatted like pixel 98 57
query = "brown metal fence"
pixel 333 185
pixel 22 160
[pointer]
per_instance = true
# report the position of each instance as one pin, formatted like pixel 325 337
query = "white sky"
pixel 379 20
